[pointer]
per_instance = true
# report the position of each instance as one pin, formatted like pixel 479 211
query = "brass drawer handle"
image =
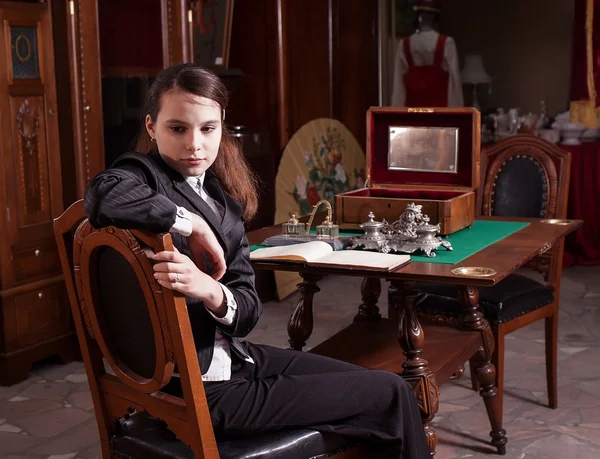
pixel 37 252
pixel 546 247
pixel 40 295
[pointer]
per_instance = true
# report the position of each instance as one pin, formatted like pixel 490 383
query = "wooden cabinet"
pixel 50 48
pixel 34 313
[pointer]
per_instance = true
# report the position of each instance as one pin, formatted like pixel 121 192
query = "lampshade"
pixel 473 71
pixel 428 5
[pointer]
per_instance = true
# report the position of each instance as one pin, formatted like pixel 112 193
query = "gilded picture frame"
pixel 211 31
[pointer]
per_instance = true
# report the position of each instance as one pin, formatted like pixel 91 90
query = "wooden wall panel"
pixel 355 73
pixel 251 93
pixel 303 59
pixel 256 49
pixel 63 94
pixel 86 91
pixel 308 49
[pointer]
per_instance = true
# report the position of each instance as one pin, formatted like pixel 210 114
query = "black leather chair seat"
pixel 514 296
pixel 142 436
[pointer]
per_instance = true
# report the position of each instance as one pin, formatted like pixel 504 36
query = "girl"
pixel 195 183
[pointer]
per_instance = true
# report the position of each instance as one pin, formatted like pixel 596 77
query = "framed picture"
pixel 211 29
pixel 405 17
pixel 424 149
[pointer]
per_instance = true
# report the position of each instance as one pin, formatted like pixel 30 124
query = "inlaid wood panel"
pixel 29 135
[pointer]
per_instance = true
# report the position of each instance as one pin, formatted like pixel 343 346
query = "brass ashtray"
pixel 473 271
pixel 556 221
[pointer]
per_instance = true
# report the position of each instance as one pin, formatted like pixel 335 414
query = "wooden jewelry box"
pixel 429 156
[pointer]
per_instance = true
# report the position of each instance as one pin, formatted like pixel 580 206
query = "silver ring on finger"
pixel 177 278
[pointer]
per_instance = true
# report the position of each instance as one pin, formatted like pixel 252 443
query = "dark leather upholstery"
pixel 521 189
pixel 124 305
pixel 514 296
pixel 142 436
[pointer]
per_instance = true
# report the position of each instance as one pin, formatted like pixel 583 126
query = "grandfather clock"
pixel 35 319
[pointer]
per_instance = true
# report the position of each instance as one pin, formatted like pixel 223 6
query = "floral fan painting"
pixel 321 160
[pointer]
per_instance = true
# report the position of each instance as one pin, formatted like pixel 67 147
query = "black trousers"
pixel 286 389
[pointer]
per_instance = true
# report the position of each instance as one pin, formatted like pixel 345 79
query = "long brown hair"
pixel 230 166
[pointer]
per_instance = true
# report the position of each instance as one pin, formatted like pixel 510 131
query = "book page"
pixel 363 259
pixel 307 251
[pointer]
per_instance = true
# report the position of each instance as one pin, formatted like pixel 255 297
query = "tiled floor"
pixel 51 416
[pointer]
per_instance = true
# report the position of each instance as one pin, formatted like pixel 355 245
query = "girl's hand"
pixel 178 272
pixel 203 241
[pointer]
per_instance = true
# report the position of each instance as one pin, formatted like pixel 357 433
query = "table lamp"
pixel 473 73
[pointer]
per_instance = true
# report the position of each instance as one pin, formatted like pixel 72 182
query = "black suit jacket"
pixel 142 192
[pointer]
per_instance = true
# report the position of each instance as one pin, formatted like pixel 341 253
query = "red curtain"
pixel 583 246
pixel 579 90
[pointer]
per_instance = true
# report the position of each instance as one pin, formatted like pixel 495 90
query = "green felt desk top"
pixel 465 242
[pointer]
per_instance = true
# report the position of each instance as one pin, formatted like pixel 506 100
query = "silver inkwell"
pixel 373 237
pixel 411 233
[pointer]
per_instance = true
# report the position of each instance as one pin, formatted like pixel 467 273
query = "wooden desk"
pixel 372 342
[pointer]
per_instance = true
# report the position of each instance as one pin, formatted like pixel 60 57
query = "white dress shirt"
pixel 422 47
pixel 220 365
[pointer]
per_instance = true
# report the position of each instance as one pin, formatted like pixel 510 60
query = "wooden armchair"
pixel 522 176
pixel 126 321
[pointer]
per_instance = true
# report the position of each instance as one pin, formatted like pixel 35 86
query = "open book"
pixel 319 253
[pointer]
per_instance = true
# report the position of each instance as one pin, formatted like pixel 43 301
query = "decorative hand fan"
pixel 321 160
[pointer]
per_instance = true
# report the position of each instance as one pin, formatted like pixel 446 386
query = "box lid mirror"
pixel 423 146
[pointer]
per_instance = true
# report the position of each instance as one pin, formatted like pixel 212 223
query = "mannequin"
pixel 426 72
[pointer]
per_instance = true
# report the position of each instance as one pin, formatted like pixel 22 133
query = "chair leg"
pixel 474 381
pixel 551 358
pixel 498 361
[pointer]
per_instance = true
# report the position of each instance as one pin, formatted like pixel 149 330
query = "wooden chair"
pixel 142 332
pixel 522 176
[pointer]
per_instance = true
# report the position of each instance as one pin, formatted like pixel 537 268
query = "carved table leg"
pixel 416 371
pixel 459 373
pixel 370 290
pixel 300 326
pixel 484 369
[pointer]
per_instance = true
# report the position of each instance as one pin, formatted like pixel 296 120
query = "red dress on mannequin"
pixel 426 85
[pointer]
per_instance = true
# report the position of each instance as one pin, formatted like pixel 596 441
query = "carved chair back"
pixel 125 318
pixel 525 176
